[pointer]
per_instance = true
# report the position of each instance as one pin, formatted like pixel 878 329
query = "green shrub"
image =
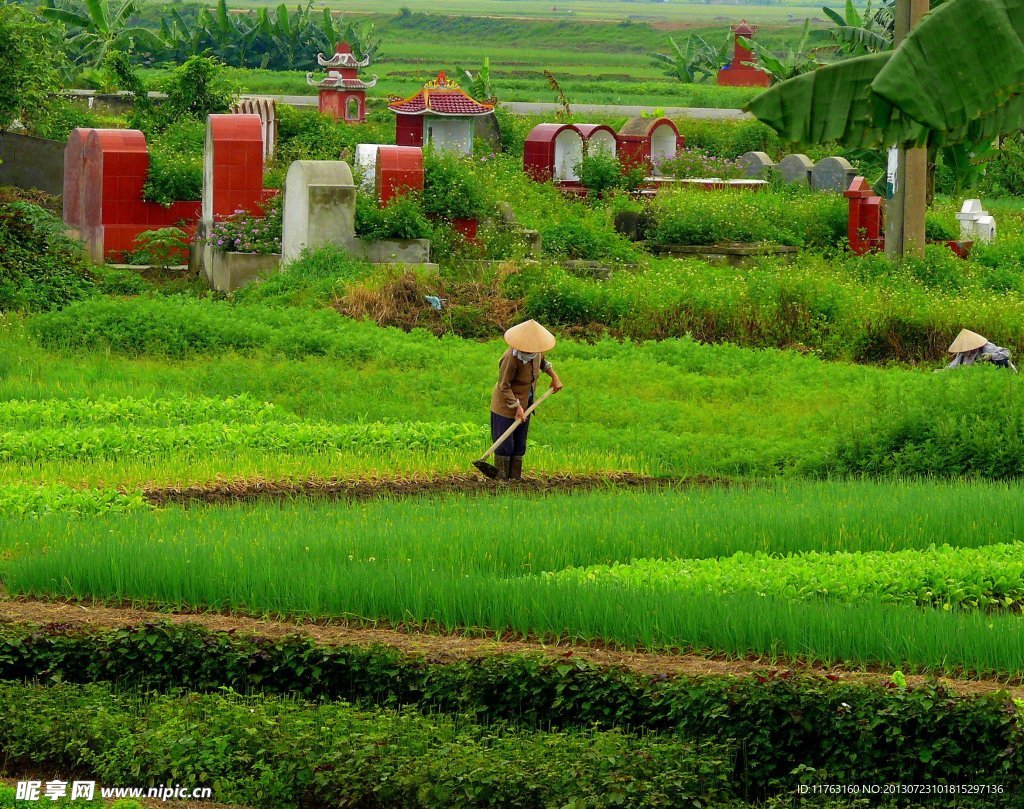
pixel 334 755
pixel 401 218
pixel 40 267
pixel 195 89
pixel 180 327
pixel 729 139
pixel 115 281
pixel 30 66
pixel 938 228
pixel 176 163
pixel 602 172
pixel 451 189
pixel 783 216
pixel 315 279
pixel 697 163
pixel 961 422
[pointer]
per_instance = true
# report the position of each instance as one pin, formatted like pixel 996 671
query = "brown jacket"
pixel 516 381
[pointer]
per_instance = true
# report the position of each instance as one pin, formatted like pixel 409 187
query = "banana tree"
pixel 856 34
pixel 478 84
pixel 97 28
pixel 180 38
pixel 931 90
pixel 795 62
pixel 698 61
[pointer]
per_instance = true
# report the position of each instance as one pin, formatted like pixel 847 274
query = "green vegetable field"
pixel 764 548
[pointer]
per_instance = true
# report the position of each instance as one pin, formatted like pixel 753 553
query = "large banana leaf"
pixel 955 78
pixel 834 103
pixel 963 60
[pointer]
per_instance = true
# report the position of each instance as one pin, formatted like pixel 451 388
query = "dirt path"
pixel 443 648
pixel 241 491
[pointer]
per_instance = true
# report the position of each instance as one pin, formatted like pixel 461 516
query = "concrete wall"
pixel 28 162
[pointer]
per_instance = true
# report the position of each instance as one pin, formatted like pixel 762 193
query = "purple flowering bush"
pixel 242 232
pixel 696 164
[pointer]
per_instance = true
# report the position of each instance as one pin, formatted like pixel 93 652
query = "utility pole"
pixel 904 213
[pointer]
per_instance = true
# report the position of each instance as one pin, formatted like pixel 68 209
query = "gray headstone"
pixel 832 174
pixel 756 165
pixel 506 215
pixel 795 168
pixel 319 206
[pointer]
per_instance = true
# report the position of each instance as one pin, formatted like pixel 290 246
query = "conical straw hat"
pixel 967 340
pixel 530 338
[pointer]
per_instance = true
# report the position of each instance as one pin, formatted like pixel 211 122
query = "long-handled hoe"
pixel 492 471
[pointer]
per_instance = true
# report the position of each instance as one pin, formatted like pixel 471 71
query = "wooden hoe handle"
pixel 512 429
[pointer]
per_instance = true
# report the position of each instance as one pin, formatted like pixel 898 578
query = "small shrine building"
pixel 741 73
pixel 342 92
pixel 441 114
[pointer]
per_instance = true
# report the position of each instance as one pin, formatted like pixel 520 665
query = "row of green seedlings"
pixel 59 429
pixel 467 571
pixel 990 577
pixel 21 415
pixel 200 438
pixel 793 730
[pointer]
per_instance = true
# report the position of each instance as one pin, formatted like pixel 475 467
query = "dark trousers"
pixel 515 444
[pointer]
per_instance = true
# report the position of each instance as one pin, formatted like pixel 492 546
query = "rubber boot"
pixel 515 469
pixel 501 462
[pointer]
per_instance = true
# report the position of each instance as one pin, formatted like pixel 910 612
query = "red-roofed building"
pixel 342 92
pixel 442 114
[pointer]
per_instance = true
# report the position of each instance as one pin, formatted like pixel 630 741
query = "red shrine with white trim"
pixel 442 114
pixel 342 92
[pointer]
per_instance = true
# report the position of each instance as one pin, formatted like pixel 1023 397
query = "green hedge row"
pixel 839 731
pixel 277 753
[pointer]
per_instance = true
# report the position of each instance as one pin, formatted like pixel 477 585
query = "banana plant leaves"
pixel 957 77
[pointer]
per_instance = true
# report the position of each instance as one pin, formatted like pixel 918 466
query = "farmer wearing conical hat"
pixel 518 371
pixel 970 347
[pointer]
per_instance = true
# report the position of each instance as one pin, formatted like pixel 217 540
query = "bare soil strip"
pixel 248 490
pixel 446 648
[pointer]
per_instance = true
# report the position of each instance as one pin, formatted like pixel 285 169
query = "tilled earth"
pixel 251 490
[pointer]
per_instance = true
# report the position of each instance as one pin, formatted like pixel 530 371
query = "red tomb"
pixel 598 138
pixel 441 114
pixel 552 152
pixel 342 92
pixel 399 170
pixel 105 171
pixel 865 226
pixel 741 72
pixel 648 141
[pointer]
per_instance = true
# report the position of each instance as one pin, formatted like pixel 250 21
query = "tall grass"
pixel 474 563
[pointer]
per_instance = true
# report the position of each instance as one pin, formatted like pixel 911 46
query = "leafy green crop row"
pixel 27 501
pixel 203 437
pixel 334 755
pixel 990 576
pixel 916 734
pixel 19 414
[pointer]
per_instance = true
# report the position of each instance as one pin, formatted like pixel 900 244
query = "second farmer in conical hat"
pixel 970 347
pixel 518 370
